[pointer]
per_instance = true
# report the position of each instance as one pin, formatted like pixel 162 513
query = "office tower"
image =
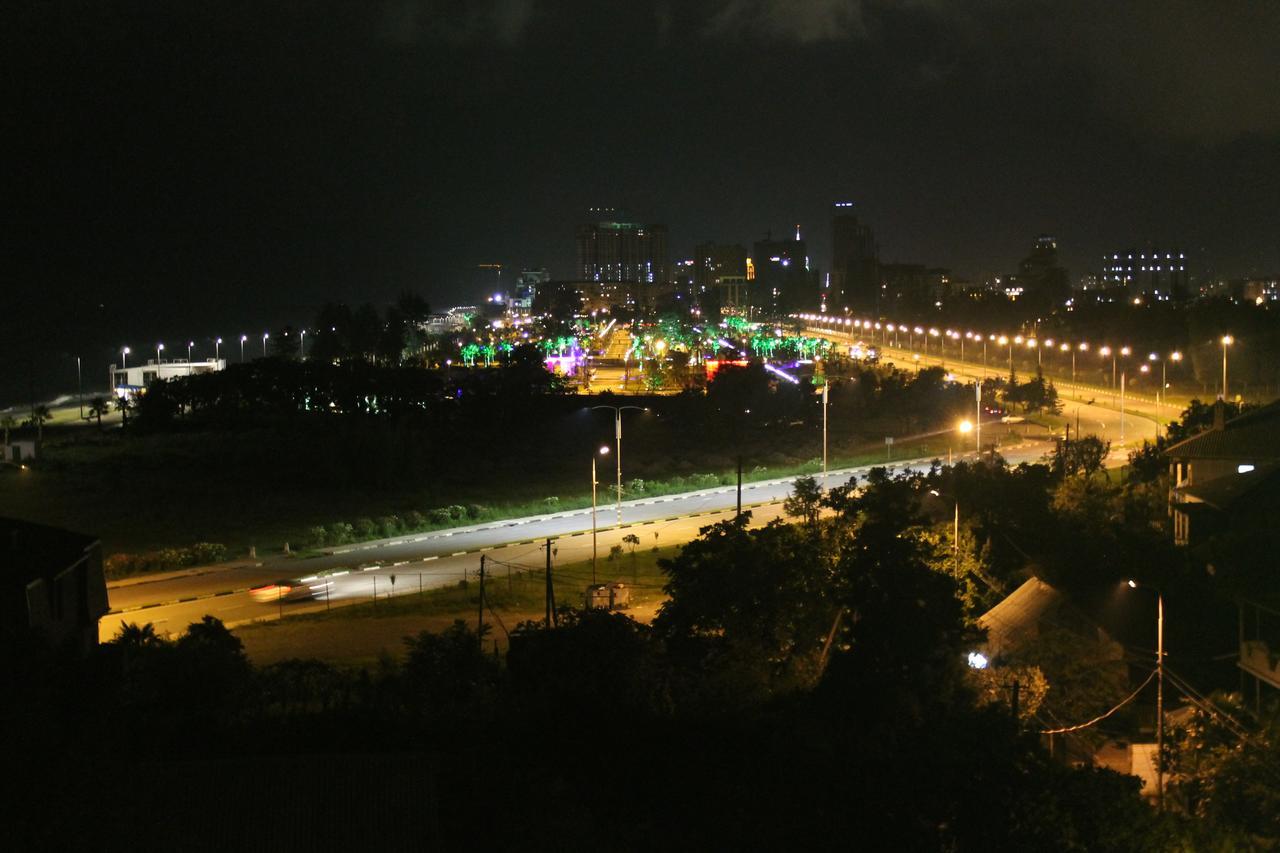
pixel 855 276
pixel 1161 275
pixel 613 250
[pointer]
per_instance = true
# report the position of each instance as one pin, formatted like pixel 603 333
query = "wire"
pixel 1102 717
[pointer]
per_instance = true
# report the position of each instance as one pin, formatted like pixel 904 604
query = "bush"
pixel 208 552
pixel 440 516
pixel 634 487
pixel 365 528
pixel 475 510
pixel 316 536
pixel 457 513
pixel 340 533
pixel 414 520
pixel 552 503
pixel 389 525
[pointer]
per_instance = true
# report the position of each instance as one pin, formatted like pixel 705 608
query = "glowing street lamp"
pixel 617 438
pixel 1159 693
pixel 1005 341
pixel 159 349
pixel 243 338
pixel 1227 341
pixel 124 357
pixel 302 345
pixel 264 344
pixel 604 451
pixel 217 349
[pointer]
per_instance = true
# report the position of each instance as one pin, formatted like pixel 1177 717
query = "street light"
pixel 964 428
pixel 617 438
pixel 217 349
pixel 604 451
pixel 1227 341
pixel 159 349
pixel 264 344
pixel 1159 694
pixel 243 338
pixel 302 345
pixel 1005 341
pixel 124 357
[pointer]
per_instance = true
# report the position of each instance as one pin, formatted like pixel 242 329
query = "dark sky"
pixel 185 169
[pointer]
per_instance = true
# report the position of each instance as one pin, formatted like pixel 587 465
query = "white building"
pixel 126 381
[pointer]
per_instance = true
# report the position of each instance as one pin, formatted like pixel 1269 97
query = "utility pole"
pixel 977 421
pixel 1160 701
pixel 480 615
pixel 551 590
pixel 739 484
pixel 824 433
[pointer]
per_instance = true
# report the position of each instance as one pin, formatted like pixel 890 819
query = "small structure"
pixel 608 596
pixel 51 584
pixel 597 597
pixel 18 452
pixel 127 381
pixel 1032 608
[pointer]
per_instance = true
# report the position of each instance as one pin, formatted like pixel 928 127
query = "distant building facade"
pixel 1159 274
pixel 526 290
pixel 912 287
pixel 779 278
pixel 612 250
pixel 855 276
pixel 1041 277
pixel 126 381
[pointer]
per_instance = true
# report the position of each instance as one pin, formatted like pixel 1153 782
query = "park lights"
pixel 1064 346
pixel 1002 340
pixel 1017 339
pixel 965 426
pixel 1104 352
pixel 1032 343
pixel 1084 346
pixel 1175 356
pixel 1125 351
pixel 1152 357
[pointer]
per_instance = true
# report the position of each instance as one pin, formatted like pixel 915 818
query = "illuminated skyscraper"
pixel 612 250
pixel 855 277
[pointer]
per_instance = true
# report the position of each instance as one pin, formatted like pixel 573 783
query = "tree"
pixel 98 407
pixel 39 415
pixel 123 405
pixel 7 423
pixel 1080 457
pixel 632 541
pixel 805 501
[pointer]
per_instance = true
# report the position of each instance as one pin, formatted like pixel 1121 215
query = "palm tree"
pixel 8 422
pixel 39 414
pixel 133 635
pixel 123 405
pixel 98 407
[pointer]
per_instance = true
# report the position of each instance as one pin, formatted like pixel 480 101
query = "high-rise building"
pixel 1159 274
pixel 1042 278
pixel 780 279
pixel 855 277
pixel 614 250
pixel 527 289
pixel 715 261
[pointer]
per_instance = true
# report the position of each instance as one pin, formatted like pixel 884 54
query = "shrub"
pixel 365 528
pixel 552 503
pixel 171 558
pixel 457 513
pixel 634 487
pixel 203 553
pixel 475 510
pixel 414 520
pixel 316 536
pixel 440 516
pixel 615 553
pixel 340 533
pixel 389 525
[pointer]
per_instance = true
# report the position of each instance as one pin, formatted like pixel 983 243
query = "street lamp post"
pixel 124 357
pixel 302 345
pixel 1227 341
pixel 190 344
pixel 217 349
pixel 159 349
pixel 80 387
pixel 1159 695
pixel 604 451
pixel 824 435
pixel 243 338
pixel 265 335
pixel 617 439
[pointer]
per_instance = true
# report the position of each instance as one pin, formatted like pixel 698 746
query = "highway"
pixel 441 558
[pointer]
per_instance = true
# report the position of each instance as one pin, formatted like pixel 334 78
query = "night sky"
pixel 179 170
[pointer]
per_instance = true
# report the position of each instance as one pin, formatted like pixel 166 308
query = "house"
pixel 51 584
pixel 1032 609
pixel 1242 445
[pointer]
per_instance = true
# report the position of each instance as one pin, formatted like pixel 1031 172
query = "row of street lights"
pixel 217 348
pixel 1007 341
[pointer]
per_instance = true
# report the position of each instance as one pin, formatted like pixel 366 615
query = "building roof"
pixel 30 551
pixel 1222 493
pixel 1253 436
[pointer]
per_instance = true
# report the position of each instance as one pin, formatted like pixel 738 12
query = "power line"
pixel 1102 717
